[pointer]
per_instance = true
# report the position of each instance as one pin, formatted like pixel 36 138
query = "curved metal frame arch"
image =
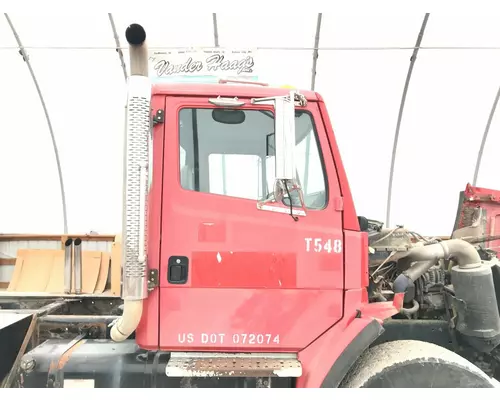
pixel 485 136
pixel 313 86
pixel 316 51
pixel 25 56
pixel 118 46
pixel 413 59
pixel 216 44
pixel 216 30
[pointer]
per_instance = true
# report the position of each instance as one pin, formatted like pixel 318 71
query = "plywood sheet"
pixel 42 270
pixel 33 270
pixel 18 268
pixel 103 274
pixel 91 264
pixel 56 280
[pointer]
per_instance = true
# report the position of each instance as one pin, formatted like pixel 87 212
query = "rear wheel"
pixel 414 364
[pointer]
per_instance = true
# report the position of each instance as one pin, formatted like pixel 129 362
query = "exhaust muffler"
pixel 136 157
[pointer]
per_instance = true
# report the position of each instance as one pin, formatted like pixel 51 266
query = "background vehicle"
pixel 276 283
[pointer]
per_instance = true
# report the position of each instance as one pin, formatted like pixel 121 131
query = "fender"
pixel 371 331
pixel 326 361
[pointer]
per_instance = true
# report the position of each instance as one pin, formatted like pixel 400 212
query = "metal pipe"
pixel 78 265
pixel 485 136
pixel 68 265
pixel 136 38
pixel 118 46
pixel 418 269
pixel 409 276
pixel 316 51
pixel 268 48
pixel 424 257
pixel 223 156
pixel 313 87
pixel 464 254
pixel 136 159
pixel 216 29
pixel 22 51
pixel 413 59
pixel 78 319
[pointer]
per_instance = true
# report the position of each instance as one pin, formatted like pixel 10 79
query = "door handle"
pixel 178 267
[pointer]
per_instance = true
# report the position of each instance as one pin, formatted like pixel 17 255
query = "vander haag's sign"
pixel 202 64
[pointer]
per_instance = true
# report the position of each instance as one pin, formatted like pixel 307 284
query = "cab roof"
pixel 225 90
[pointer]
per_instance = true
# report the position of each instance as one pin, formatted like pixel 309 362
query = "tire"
pixel 414 364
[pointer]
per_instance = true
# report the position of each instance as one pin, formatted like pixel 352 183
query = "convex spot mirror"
pixel 228 116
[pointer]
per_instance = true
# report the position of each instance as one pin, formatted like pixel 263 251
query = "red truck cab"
pixel 234 276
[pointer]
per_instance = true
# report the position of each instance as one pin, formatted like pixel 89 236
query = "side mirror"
pixel 282 141
pixel 284 138
pixel 363 224
pixel 281 144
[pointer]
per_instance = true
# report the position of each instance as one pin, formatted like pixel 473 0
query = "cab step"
pixel 283 365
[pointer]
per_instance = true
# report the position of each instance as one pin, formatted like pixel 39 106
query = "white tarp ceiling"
pixel 361 70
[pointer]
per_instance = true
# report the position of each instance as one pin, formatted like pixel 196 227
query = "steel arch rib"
pixel 485 136
pixel 400 117
pixel 313 86
pixel 118 47
pixel 223 158
pixel 47 117
pixel 316 51
pixel 216 29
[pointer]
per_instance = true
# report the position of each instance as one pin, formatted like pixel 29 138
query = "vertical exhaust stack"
pixel 78 265
pixel 68 266
pixel 136 157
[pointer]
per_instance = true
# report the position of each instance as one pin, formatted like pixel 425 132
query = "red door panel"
pixel 257 280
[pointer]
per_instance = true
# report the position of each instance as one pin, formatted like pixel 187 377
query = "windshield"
pixel 237 159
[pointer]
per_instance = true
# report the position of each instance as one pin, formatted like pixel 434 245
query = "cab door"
pixel 232 276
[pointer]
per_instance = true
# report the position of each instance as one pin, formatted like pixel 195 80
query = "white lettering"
pixel 328 246
pixel 185 338
pixel 320 245
pixel 317 245
pixel 337 246
pixel 235 338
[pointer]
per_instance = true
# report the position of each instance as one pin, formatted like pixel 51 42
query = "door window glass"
pixel 234 158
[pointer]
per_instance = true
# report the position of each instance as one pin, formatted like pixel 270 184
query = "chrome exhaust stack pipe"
pixel 136 157
pixel 68 265
pixel 77 258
